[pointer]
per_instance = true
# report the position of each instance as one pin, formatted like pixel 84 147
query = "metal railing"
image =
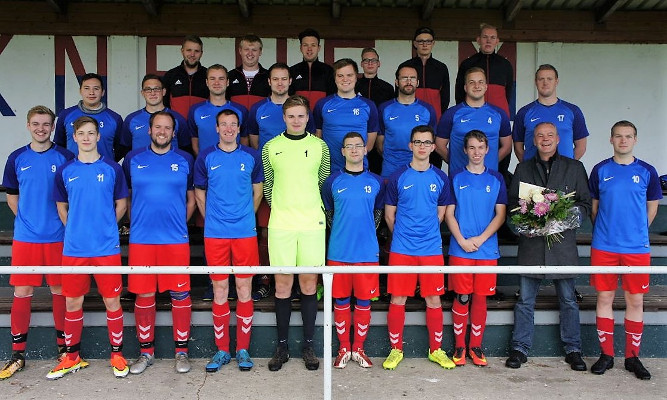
pixel 327 277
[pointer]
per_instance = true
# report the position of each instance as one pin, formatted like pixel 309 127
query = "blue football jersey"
pixel 568 119
pixel 336 117
pixel 621 224
pixel 475 197
pixel 417 195
pixel 159 184
pixel 31 176
pixel 353 198
pixel 90 191
pixel 228 179
pixel 134 133
pixel 461 119
pixel 396 123
pixel 109 125
pixel 202 123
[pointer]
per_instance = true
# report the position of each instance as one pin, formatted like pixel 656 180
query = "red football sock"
pixel 605 327
pixel 395 324
pixel 362 321
pixel 477 320
pixel 342 319
pixel 459 322
pixel 221 325
pixel 244 314
pixel 434 327
pixel 144 320
pixel 115 329
pixel 58 306
pixel 633 337
pixel 20 321
pixel 181 311
pixel 73 329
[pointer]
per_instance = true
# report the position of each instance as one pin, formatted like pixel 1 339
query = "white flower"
pixel 538 197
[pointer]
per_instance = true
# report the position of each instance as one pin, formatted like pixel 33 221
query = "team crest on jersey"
pixel 174 167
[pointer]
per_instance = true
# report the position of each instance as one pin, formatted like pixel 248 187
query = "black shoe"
pixel 633 364
pixel 575 361
pixel 604 363
pixel 516 359
pixel 309 358
pixel 280 357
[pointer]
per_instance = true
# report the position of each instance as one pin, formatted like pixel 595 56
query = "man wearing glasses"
pixel 415 203
pixel 135 130
pixel 433 76
pixel 372 87
pixel 397 118
pixel 353 203
pixel 473 113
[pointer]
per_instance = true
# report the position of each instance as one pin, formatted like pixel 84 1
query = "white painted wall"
pixel 609 82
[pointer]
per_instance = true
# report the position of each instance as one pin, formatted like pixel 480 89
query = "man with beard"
pixel 186 83
pixel 397 118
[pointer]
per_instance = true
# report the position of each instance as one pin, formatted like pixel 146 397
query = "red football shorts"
pixel 365 286
pixel 632 283
pixel 481 284
pixel 225 252
pixel 77 285
pixel 405 284
pixel 28 254
pixel 158 254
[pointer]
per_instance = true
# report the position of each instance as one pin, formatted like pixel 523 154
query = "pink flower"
pixel 524 206
pixel 541 209
pixel 551 197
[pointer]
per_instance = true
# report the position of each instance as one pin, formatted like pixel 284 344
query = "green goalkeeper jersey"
pixel 295 167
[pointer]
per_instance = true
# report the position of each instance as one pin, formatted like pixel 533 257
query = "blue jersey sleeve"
pixel 317 113
pixel 59 190
pixel 190 160
pixel 391 189
pixel 192 122
pixel 446 194
pixel 505 128
pixel 200 175
pixel 253 128
pixel 381 109
pixel 579 129
pixel 327 194
pixel 502 192
pixel 594 181
pixel 182 130
pixel 127 166
pixel 117 135
pixel 379 198
pixel 373 125
pixel 452 180
pixel 654 190
pixel 9 179
pixel 120 185
pixel 519 128
pixel 310 126
pixel 433 121
pixel 446 123
pixel 257 175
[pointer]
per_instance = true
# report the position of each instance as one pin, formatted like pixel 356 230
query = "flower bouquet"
pixel 544 212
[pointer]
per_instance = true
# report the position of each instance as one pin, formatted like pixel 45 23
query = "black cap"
pixel 424 29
